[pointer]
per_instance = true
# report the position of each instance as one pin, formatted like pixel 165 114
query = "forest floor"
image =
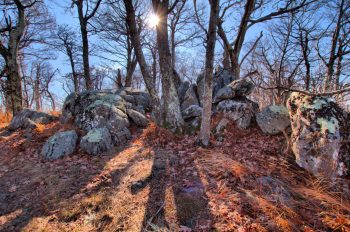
pixel 162 182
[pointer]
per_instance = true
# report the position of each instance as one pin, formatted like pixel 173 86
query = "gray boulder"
pixel 192 112
pixel 193 125
pixel 221 78
pixel 241 111
pixel 221 126
pixel 242 87
pixel 190 98
pixel 237 88
pixel 119 137
pixel 96 109
pixel 320 135
pixel 138 118
pixel 27 117
pixel 96 141
pixel 273 119
pixel 60 144
pixel 181 91
pixel 102 113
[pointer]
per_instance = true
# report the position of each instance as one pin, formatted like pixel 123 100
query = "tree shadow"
pixel 186 189
pixel 32 187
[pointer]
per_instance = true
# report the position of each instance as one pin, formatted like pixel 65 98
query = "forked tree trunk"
pixel 204 134
pixel 248 9
pixel 149 82
pixel 13 88
pixel 171 109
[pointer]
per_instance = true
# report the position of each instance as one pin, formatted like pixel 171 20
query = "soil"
pixel 162 182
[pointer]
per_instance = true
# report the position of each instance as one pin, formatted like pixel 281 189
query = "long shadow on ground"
pixel 33 187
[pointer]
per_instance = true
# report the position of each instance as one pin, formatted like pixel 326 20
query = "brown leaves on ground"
pixel 162 182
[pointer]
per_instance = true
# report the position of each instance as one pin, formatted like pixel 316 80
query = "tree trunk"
pixel 85 41
pixel 36 88
pixel 119 79
pixel 75 75
pixel 204 134
pixel 171 109
pixel 150 84
pixel 130 71
pixel 332 56
pixel 248 9
pixel 14 85
pixel 86 64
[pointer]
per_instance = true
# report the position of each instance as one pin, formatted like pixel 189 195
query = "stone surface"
pixel 237 88
pixel 138 118
pixel 96 141
pixel 190 97
pixel 273 119
pixel 320 135
pixel 96 109
pixel 221 126
pixel 21 120
pixel 242 87
pixel 119 137
pixel 275 190
pixel 181 91
pixel 241 111
pixel 193 125
pixel 192 112
pixel 221 78
pixel 60 144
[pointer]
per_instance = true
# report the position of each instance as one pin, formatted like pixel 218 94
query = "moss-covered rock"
pixel 320 135
pixel 96 141
pixel 60 144
pixel 273 119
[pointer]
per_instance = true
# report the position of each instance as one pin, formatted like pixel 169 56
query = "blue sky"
pixel 65 15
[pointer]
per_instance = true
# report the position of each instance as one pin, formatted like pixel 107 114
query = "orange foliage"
pixel 5 117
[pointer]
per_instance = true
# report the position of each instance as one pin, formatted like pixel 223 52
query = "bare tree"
pixel 254 13
pixel 136 41
pixel 13 32
pixel 86 10
pixel 204 134
pixel 115 34
pixel 171 105
pixel 66 42
pixel 23 23
pixel 339 36
pixel 182 28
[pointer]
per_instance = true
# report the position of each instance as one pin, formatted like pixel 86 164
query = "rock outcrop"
pixel 236 89
pixel 27 118
pixel 242 111
pixel 60 144
pixel 96 141
pixel 229 98
pixel 105 116
pixel 190 98
pixel 320 135
pixel 138 118
pixel 273 119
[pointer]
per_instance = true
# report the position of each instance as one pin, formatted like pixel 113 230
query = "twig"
pixel 151 219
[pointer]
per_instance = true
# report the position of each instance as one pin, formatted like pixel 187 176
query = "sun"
pixel 153 20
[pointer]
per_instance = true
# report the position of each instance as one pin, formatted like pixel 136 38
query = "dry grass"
pixel 5 117
pixel 124 190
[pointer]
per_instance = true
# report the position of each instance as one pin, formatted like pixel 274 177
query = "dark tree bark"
pixel 171 109
pixel 149 82
pixel 83 20
pixel 13 86
pixel 204 134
